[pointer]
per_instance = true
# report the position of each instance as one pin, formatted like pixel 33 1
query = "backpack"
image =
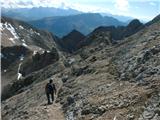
pixel 49 88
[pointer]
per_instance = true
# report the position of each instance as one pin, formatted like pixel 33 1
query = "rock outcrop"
pixel 120 32
pixel 71 42
pixel 101 81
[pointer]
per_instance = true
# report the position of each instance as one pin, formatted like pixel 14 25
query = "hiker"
pixel 50 91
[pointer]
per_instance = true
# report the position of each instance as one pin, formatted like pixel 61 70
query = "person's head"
pixel 50 81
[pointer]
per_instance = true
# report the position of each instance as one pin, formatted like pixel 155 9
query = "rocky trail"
pixel 100 81
pixel 48 112
pixel 32 105
pixel 53 111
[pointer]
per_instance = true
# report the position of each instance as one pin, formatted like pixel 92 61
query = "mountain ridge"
pixel 101 81
pixel 28 14
pixel 84 23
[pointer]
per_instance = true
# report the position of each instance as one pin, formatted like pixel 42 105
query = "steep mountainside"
pixel 101 81
pixel 24 50
pixel 120 32
pixel 156 19
pixel 84 23
pixel 119 81
pixel 16 32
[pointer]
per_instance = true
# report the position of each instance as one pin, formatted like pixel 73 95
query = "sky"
pixel 141 9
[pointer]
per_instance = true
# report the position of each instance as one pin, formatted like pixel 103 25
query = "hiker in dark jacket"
pixel 50 91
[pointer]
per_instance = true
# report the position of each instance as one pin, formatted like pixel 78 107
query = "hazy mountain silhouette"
pixel 35 13
pixel 84 23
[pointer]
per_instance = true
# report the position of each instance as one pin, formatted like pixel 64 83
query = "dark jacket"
pixel 50 88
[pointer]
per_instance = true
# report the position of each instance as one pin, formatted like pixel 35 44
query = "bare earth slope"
pixel 119 82
pixel 100 82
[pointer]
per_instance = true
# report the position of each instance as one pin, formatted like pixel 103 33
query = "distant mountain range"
pixel 75 40
pixel 35 13
pixel 84 23
pixel 62 21
pixel 122 18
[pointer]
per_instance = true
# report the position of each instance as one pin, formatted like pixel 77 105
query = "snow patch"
pixel 37 33
pixel 21 57
pixel 19 76
pixel 12 40
pixel 72 60
pixel 115 118
pixel 23 40
pixel 12 30
pixel 1 26
pixel 43 51
pixel 40 48
pixel 34 52
pixel 31 31
pixel 1 55
pixel 21 27
pixel 48 51
pixel 24 44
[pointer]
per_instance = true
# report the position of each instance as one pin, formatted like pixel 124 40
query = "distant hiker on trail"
pixel 50 90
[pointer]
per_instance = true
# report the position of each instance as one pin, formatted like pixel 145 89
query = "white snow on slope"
pixel 31 31
pixel 19 75
pixel 21 27
pixel 37 33
pixel 23 40
pixel 22 57
pixel 11 29
pixel 35 52
pixel 1 55
pixel 1 26
pixel 24 44
pixel 12 40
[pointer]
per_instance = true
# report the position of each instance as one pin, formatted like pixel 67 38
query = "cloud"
pixel 122 5
pixel 34 3
pixel 89 8
pixel 65 4
pixel 153 3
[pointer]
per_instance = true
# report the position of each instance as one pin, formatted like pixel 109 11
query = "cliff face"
pixel 101 81
pixel 24 49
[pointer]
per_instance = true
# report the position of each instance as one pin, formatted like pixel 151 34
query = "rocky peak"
pixel 71 42
pixel 134 24
pixel 133 27
pixel 74 34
